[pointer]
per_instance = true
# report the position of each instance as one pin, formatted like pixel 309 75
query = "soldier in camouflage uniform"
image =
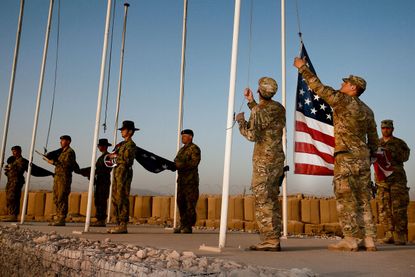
pixel 356 141
pixel 102 184
pixel 65 164
pixel 15 181
pixel 124 153
pixel 393 193
pixel 187 161
pixel 265 127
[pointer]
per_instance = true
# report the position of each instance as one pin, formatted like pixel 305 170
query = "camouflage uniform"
pixel 102 187
pixel 265 127
pixel 393 193
pixel 356 140
pixel 64 166
pixel 121 185
pixel 187 161
pixel 15 182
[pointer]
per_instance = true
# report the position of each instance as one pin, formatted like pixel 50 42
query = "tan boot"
pixel 346 244
pixel 399 238
pixel 120 229
pixel 268 245
pixel 369 244
pixel 388 238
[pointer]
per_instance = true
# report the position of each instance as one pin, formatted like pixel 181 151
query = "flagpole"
pixel 284 134
pixel 228 144
pixel 180 116
pixel 35 123
pixel 98 117
pixel 11 87
pixel 117 110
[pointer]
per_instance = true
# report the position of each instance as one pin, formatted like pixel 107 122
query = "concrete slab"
pixel 309 253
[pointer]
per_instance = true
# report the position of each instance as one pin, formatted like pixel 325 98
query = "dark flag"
pixel 152 162
pixel 37 171
pixel 314 132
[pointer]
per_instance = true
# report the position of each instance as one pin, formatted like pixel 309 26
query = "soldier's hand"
pixel 248 95
pixel 240 116
pixel 49 161
pixel 299 62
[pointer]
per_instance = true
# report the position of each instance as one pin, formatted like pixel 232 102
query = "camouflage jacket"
pixel 354 122
pixel 126 154
pixel 399 151
pixel 102 172
pixel 265 127
pixel 66 163
pixel 16 169
pixel 187 161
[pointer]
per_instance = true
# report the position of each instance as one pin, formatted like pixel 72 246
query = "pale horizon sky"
pixel 371 39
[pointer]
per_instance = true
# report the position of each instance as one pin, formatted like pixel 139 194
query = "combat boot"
pixel 388 238
pixel 187 230
pixel 177 230
pixel 346 244
pixel 369 244
pixel 267 245
pixel 119 229
pixel 399 238
pixel 9 218
pixel 98 223
pixel 57 223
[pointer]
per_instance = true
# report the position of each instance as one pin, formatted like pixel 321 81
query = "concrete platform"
pixel 309 253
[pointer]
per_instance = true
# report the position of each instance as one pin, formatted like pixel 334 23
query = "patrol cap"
pixel 267 87
pixel 128 124
pixel 187 132
pixel 17 148
pixel 104 142
pixel 357 81
pixel 66 137
pixel 387 123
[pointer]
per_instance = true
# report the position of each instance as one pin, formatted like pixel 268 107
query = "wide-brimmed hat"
pixel 104 142
pixel 128 124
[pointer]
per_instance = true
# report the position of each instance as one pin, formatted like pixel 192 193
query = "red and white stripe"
pixel 313 146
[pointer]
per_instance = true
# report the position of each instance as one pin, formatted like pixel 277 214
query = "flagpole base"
pixel 203 247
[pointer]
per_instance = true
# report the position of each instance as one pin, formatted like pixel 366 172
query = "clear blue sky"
pixel 373 39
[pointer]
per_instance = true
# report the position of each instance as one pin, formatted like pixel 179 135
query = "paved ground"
pixel 309 253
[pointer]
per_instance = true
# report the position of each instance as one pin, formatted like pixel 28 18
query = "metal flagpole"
pixel 117 109
pixel 98 117
pixel 180 119
pixel 284 134
pixel 11 88
pixel 39 96
pixel 228 144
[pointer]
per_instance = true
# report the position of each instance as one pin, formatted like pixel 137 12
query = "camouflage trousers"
pixel 351 180
pixel 13 193
pixel 121 186
pixel 393 201
pixel 187 196
pixel 101 194
pixel 61 191
pixel 267 207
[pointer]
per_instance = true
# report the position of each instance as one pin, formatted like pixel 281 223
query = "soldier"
pixel 265 127
pixel 356 141
pixel 102 184
pixel 187 161
pixel 14 171
pixel 393 193
pixel 124 154
pixel 64 164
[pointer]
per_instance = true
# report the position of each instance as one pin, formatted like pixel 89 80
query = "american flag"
pixel 314 132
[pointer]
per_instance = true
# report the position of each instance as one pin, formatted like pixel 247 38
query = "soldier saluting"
pixel 124 155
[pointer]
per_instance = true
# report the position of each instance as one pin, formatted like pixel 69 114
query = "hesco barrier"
pixel 306 215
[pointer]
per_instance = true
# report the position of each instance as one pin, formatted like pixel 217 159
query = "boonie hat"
pixel 128 124
pixel 104 142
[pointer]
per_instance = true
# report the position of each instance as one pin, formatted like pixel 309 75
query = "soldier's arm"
pixel 403 152
pixel 372 137
pixel 192 162
pixel 128 156
pixel 249 128
pixel 252 104
pixel 327 93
